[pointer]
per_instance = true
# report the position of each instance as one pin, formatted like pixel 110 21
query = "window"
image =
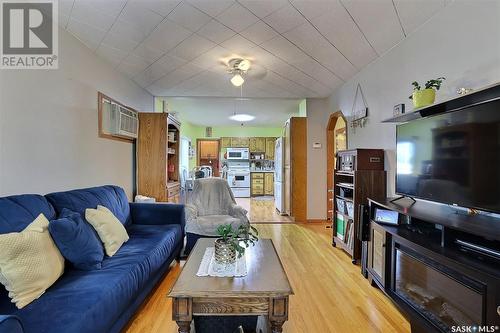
pixel 405 156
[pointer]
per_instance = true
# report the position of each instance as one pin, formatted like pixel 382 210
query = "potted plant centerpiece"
pixel 230 242
pixel 423 97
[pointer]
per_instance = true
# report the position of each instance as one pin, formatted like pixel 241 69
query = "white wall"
pixel 316 158
pixel 461 43
pixel 48 124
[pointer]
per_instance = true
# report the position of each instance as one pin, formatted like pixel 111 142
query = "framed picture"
pixel 359 108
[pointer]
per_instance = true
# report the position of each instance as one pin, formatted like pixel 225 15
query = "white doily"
pixel 209 267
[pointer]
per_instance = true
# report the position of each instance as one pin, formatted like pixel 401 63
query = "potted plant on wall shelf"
pixel 427 96
pixel 229 243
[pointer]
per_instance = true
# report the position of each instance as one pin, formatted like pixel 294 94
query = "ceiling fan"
pixel 240 68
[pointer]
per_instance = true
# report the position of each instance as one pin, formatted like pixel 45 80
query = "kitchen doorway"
pixel 208 154
pixel 336 134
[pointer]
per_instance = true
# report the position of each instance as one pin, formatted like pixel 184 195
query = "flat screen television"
pixel 452 158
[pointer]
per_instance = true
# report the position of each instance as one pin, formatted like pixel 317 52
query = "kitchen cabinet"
pixel 262 183
pixel 240 142
pixel 257 145
pixel 269 183
pixel 225 142
pixel 208 150
pixel 270 148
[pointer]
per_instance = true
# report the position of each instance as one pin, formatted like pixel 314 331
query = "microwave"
pixel 238 153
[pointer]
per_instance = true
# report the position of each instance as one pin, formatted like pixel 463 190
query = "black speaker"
pixel 364 236
pixel 364 223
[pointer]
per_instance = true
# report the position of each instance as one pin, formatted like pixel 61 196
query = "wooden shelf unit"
pixel 157 157
pixel 368 178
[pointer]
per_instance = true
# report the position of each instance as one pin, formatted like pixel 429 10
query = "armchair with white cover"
pixel 210 205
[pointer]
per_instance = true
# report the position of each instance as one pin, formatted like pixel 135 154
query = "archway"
pixel 336 139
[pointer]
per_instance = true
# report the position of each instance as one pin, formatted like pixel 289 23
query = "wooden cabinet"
pixel 158 157
pixel 240 142
pixel 270 148
pixel 262 183
pixel 173 192
pixel 377 253
pixel 208 149
pixel 269 183
pixel 359 175
pixel 257 145
pixel 225 142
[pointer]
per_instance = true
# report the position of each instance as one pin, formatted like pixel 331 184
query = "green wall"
pixel 303 108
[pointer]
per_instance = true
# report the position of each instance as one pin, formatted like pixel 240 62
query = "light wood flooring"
pixel 262 210
pixel 330 293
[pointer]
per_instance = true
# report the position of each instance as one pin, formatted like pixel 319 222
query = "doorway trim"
pixel 330 144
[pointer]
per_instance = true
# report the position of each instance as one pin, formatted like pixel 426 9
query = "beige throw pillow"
pixel 30 262
pixel 110 230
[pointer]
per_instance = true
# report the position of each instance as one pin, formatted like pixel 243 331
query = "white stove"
pixel 238 178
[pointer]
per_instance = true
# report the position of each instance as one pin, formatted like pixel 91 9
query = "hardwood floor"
pixel 262 210
pixel 330 293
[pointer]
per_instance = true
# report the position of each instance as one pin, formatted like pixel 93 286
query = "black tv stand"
pixel 402 197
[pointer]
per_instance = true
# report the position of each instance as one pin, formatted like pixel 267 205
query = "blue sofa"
pixel 100 300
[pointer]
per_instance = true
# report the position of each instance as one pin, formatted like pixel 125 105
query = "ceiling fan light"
pixel 242 117
pixel 244 65
pixel 237 80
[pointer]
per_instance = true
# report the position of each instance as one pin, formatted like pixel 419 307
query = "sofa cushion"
pixel 92 301
pixel 112 197
pixel 18 211
pixel 111 232
pixel 30 262
pixel 77 240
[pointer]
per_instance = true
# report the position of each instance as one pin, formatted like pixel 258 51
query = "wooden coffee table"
pixel 263 291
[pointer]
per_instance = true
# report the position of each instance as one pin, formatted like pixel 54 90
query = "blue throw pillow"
pixel 77 240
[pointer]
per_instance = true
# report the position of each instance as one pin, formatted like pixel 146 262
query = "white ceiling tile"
pixel 65 6
pixel 143 19
pixel 139 62
pixel 216 32
pixel 129 31
pixel 212 58
pixel 89 35
pixel 314 44
pixel 144 51
pixel 414 13
pixel 168 63
pixel 262 8
pixel 162 7
pixel 285 18
pixel 120 42
pixel 314 8
pixel 212 7
pixel 282 48
pixel 166 36
pixel 343 33
pixel 237 17
pixel 378 21
pixel 92 16
pixel 109 7
pixel 259 32
pixel 112 55
pixel 189 17
pixel 192 47
pixel 239 45
pixel 63 20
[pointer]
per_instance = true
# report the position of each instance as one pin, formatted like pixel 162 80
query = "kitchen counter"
pixel 262 171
